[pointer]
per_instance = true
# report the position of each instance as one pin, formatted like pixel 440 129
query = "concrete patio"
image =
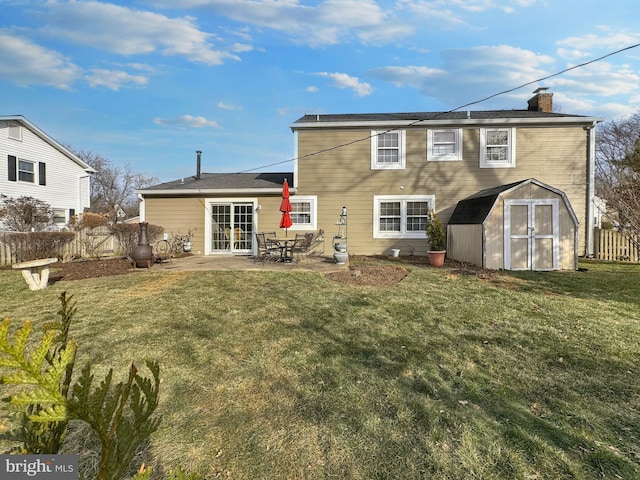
pixel 241 262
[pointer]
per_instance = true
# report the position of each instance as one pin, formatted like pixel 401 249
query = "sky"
pixel 147 83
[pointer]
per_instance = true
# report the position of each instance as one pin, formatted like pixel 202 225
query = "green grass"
pixel 445 376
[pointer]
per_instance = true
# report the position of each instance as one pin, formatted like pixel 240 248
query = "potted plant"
pixel 437 240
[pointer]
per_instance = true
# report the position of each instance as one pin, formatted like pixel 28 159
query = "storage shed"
pixel 526 225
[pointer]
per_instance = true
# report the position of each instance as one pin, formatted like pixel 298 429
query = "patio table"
pixel 286 248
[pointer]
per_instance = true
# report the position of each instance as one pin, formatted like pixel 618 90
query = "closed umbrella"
pixel 285 207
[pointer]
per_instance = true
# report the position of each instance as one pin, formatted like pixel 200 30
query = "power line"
pixel 436 115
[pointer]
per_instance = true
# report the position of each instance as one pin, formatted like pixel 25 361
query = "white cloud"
pixel 227 106
pixel 114 79
pixel 241 48
pixel 25 63
pixel 312 89
pixel 126 31
pixel 325 22
pixel 186 121
pixel 342 80
pixel 449 13
pixel 468 74
pixel 609 40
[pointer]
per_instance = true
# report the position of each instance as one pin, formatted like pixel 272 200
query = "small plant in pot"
pixel 436 238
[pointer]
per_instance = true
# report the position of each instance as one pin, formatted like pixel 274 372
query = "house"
pixel 37 166
pixel 388 170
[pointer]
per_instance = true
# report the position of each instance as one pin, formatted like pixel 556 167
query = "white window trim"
pixel 33 172
pixel 403 199
pixel 313 200
pixel 401 151
pixel 447 157
pixel 511 149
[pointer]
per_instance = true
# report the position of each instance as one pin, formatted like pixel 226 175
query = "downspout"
pixel 141 207
pixel 591 187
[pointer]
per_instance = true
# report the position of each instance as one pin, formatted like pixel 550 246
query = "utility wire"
pixel 436 115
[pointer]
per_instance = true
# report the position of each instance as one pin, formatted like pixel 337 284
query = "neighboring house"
pixel 388 169
pixel 37 166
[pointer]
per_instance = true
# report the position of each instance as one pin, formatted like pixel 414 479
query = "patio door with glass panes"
pixel 531 234
pixel 232 227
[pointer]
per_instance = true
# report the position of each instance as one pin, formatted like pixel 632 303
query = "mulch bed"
pixel 363 270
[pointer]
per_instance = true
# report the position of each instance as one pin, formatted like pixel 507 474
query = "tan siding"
pixel 177 215
pixel 554 155
pixel 464 243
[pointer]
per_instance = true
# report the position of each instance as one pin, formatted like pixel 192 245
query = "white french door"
pixel 231 226
pixel 531 234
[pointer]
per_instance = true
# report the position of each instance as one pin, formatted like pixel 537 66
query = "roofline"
pixel 62 149
pixel 213 191
pixel 540 184
pixel 450 122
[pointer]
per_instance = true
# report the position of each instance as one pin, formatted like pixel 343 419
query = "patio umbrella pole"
pixel 285 208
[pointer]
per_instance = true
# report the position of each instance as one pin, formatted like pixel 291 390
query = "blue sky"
pixel 147 83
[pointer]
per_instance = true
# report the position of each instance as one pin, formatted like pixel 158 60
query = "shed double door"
pixel 531 238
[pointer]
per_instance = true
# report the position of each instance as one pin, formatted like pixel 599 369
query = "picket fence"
pixel 88 243
pixel 616 246
pixel 609 245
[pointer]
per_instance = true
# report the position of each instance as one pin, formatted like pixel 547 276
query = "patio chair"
pixel 267 251
pixel 317 244
pixel 302 245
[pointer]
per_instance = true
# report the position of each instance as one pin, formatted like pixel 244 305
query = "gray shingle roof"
pixel 226 181
pixel 420 116
pixel 475 208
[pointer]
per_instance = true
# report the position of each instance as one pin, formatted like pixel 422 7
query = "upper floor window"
pixel 304 213
pixel 444 144
pixel 401 216
pixel 497 148
pixel 26 171
pixel 387 150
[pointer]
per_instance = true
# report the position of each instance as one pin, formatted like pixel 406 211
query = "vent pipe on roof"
pixel 198 163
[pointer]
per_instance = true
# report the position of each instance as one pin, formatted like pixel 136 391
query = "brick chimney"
pixel 542 101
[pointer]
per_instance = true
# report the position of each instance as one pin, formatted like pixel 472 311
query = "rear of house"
pixel 388 170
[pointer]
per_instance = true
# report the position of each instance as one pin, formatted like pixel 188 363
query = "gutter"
pixel 213 191
pixel 544 121
pixel 591 186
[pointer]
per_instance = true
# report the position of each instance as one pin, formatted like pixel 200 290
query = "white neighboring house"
pixel 33 164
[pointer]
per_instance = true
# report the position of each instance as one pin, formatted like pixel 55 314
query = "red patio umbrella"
pixel 285 207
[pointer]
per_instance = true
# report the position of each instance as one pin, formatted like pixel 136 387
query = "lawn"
pixel 447 375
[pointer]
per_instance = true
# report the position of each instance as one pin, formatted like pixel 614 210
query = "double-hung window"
pixel 304 213
pixel 388 150
pixel 401 216
pixel 444 145
pixel 26 171
pixel 497 148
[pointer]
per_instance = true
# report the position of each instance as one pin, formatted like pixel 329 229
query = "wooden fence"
pixel 616 246
pixel 609 245
pixel 96 242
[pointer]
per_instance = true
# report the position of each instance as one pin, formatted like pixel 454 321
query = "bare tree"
pixel 25 214
pixel 113 186
pixel 618 169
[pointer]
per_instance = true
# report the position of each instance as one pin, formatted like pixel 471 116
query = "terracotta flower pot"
pixel 436 259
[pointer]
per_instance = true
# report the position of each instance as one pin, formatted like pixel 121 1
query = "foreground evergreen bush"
pixel 122 414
